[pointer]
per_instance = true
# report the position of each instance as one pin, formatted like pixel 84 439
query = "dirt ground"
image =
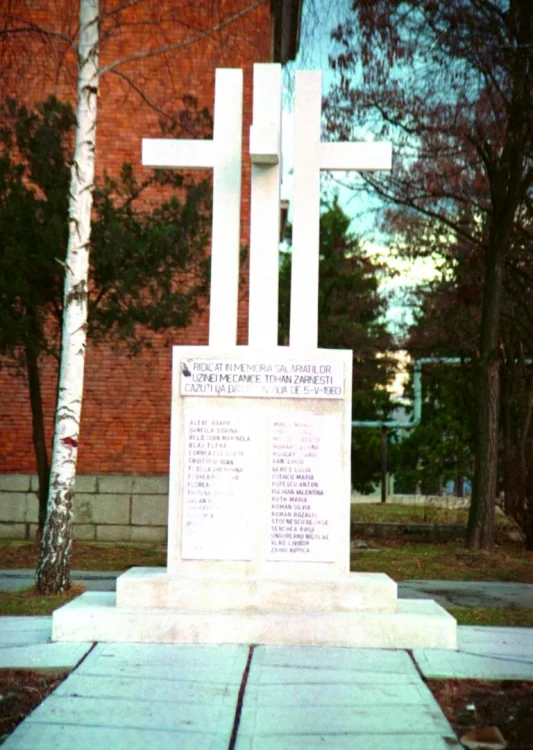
pixel 470 704
pixel 21 691
pixel 86 556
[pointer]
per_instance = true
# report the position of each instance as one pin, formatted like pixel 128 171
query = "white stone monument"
pixel 259 501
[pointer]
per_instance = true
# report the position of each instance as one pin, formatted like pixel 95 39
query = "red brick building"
pixel 126 409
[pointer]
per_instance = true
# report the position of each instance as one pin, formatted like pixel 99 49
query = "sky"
pixel 314 49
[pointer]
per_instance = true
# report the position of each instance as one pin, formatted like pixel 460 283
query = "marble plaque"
pixel 287 379
pixel 218 486
pixel 304 457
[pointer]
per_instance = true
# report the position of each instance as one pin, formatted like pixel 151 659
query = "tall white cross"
pixel 310 157
pixel 265 153
pixel 223 155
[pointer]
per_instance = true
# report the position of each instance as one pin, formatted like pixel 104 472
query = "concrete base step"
pixel 154 588
pixel 94 616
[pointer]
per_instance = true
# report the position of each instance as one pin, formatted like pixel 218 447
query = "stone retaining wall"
pixel 107 508
pixel 415 532
pixel 130 508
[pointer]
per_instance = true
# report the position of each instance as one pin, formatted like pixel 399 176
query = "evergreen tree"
pixel 351 316
pixel 148 267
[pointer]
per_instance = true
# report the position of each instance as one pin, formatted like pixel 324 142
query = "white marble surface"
pixel 94 616
pixel 265 153
pixel 223 154
pixel 153 587
pixel 310 157
pixel 331 418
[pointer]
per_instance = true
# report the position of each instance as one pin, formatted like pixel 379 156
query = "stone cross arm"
pixel 223 156
pixel 364 157
pixel 162 153
pixel 311 156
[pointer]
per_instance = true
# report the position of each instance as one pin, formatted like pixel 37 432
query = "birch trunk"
pixel 53 572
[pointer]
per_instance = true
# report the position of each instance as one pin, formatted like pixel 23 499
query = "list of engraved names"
pixel 218 481
pixel 303 494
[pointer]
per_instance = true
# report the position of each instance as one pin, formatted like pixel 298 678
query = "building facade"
pixel 125 426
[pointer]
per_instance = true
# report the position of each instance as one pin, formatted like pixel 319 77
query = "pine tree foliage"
pixel 149 270
pixel 351 315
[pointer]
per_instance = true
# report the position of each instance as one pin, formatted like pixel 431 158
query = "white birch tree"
pixel 53 571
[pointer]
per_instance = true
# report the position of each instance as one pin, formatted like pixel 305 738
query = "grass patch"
pixel 427 513
pixel 391 513
pixel 30 602
pixel 94 556
pixel 503 617
pixel 445 562
pixel 400 559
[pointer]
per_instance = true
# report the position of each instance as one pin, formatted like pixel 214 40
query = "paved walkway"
pixel 129 696
pixel 264 698
pixel 469 593
pixel 233 697
pixel 22 578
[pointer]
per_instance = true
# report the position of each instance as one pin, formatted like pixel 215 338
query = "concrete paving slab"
pixel 314 697
pixel 24 631
pixel 484 654
pixel 145 689
pixel 364 660
pixel 295 675
pixel 184 663
pixel 360 694
pixel 170 715
pixel 166 653
pixel 23 578
pixel 350 742
pixel 29 736
pixel 295 720
pixel 516 643
pixel 25 623
pixel 13 583
pixel 320 666
pixel 174 672
pixel 108 658
pixel 43 656
pixel 469 593
pixel 439 665
pixel 25 638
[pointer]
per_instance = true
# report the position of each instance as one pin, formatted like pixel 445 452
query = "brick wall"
pixel 126 410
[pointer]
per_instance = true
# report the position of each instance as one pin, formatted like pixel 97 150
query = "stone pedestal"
pixel 414 624
pixel 259 519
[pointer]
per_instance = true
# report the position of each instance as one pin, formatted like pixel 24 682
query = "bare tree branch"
pixel 121 7
pixel 33 29
pixel 185 43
